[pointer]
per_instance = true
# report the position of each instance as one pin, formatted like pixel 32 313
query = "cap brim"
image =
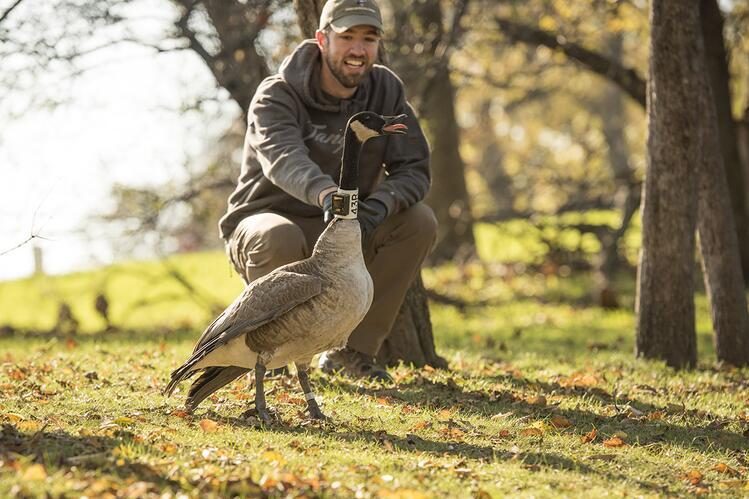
pixel 348 22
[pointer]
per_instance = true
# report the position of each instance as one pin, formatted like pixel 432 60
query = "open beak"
pixel 393 127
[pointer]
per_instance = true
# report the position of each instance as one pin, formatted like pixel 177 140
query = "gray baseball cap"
pixel 341 15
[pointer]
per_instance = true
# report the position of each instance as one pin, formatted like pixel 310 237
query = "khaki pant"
pixel 265 241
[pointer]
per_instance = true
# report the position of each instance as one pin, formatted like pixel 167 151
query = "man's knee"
pixel 264 242
pixel 279 243
pixel 419 220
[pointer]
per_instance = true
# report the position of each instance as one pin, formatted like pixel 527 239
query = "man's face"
pixel 351 54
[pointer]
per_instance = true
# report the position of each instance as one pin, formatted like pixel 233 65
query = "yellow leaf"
pixel 123 421
pixel 35 472
pixel 654 416
pixel 13 417
pixel 560 422
pixel 614 442
pixel 273 457
pixel 209 426
pixel 444 414
pixel 28 426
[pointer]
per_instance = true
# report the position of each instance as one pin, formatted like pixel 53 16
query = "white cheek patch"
pixel 363 132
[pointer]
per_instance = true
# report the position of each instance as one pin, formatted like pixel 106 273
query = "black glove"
pixel 327 207
pixel 371 214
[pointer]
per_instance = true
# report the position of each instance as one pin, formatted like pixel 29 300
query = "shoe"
pixel 354 364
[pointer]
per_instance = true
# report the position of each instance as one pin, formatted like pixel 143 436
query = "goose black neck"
pixel 350 163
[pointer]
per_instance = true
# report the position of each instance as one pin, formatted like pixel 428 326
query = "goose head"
pixel 360 128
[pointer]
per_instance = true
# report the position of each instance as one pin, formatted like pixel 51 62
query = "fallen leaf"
pixel 13 417
pixel 614 442
pixel 180 414
pixel 655 416
pixel 123 421
pixel 35 472
pixel 28 425
pixel 421 425
pixel 590 436
pixel 724 468
pixel 694 477
pixel 273 456
pixel 560 422
pixel 209 426
pixel 532 432
pixel 539 400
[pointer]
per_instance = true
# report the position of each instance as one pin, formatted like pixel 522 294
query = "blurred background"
pixel 123 121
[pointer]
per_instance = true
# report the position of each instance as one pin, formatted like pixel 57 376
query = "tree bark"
pixel 411 340
pixel 448 195
pixel 426 75
pixel 719 247
pixel 665 298
pixel 716 59
pixel 308 15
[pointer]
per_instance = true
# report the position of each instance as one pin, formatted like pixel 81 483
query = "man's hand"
pixel 371 214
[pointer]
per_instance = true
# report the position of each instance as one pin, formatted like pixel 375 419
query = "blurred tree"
pixel 665 298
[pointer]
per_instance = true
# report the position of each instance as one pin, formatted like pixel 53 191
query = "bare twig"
pixel 7 12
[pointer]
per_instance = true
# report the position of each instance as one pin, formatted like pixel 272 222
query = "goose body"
pixel 298 310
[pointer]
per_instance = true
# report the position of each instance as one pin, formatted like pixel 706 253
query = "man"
pixel 292 155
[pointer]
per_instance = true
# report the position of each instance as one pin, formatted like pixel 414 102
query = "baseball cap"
pixel 341 15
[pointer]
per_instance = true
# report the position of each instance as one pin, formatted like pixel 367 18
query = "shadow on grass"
pixel 62 450
pixel 640 431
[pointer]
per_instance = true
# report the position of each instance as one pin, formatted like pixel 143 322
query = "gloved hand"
pixel 371 214
pixel 327 207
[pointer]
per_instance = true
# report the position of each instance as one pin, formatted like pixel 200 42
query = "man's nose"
pixel 357 48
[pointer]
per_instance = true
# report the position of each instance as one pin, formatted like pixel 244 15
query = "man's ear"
pixel 321 38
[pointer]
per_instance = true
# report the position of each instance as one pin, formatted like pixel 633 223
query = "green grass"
pixel 532 371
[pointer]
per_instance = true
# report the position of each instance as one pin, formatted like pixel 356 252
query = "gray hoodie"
pixel 294 141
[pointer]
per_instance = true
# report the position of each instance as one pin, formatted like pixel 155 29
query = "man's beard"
pixel 350 81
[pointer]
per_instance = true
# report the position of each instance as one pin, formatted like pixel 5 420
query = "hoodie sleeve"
pixel 275 134
pixel 407 162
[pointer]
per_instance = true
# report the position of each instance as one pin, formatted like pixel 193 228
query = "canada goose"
pixel 299 309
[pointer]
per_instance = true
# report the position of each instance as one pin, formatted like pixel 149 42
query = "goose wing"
pixel 260 303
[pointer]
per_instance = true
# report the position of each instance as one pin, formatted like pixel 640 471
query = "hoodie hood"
pixel 301 70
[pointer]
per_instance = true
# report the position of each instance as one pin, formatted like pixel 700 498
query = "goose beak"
pixel 392 127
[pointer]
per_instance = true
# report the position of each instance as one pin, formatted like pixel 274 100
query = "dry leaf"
pixel 590 436
pixel 694 477
pixel 209 426
pixel 35 472
pixel 13 417
pixel 28 426
pixel 180 414
pixel 655 416
pixel 532 432
pixel 421 425
pixel 724 468
pixel 614 442
pixel 273 456
pixel 560 422
pixel 539 400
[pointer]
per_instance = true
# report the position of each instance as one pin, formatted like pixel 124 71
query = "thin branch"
pixel 626 78
pixel 9 10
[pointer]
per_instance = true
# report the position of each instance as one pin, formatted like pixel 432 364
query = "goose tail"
pixel 211 380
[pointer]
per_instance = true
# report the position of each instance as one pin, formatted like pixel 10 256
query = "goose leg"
pixel 312 407
pixel 260 405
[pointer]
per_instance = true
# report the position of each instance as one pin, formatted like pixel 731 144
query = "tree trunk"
pixel 448 195
pixel 665 298
pixel 717 68
pixel 411 339
pixel 719 246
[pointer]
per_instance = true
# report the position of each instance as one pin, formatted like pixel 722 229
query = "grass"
pixel 543 399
